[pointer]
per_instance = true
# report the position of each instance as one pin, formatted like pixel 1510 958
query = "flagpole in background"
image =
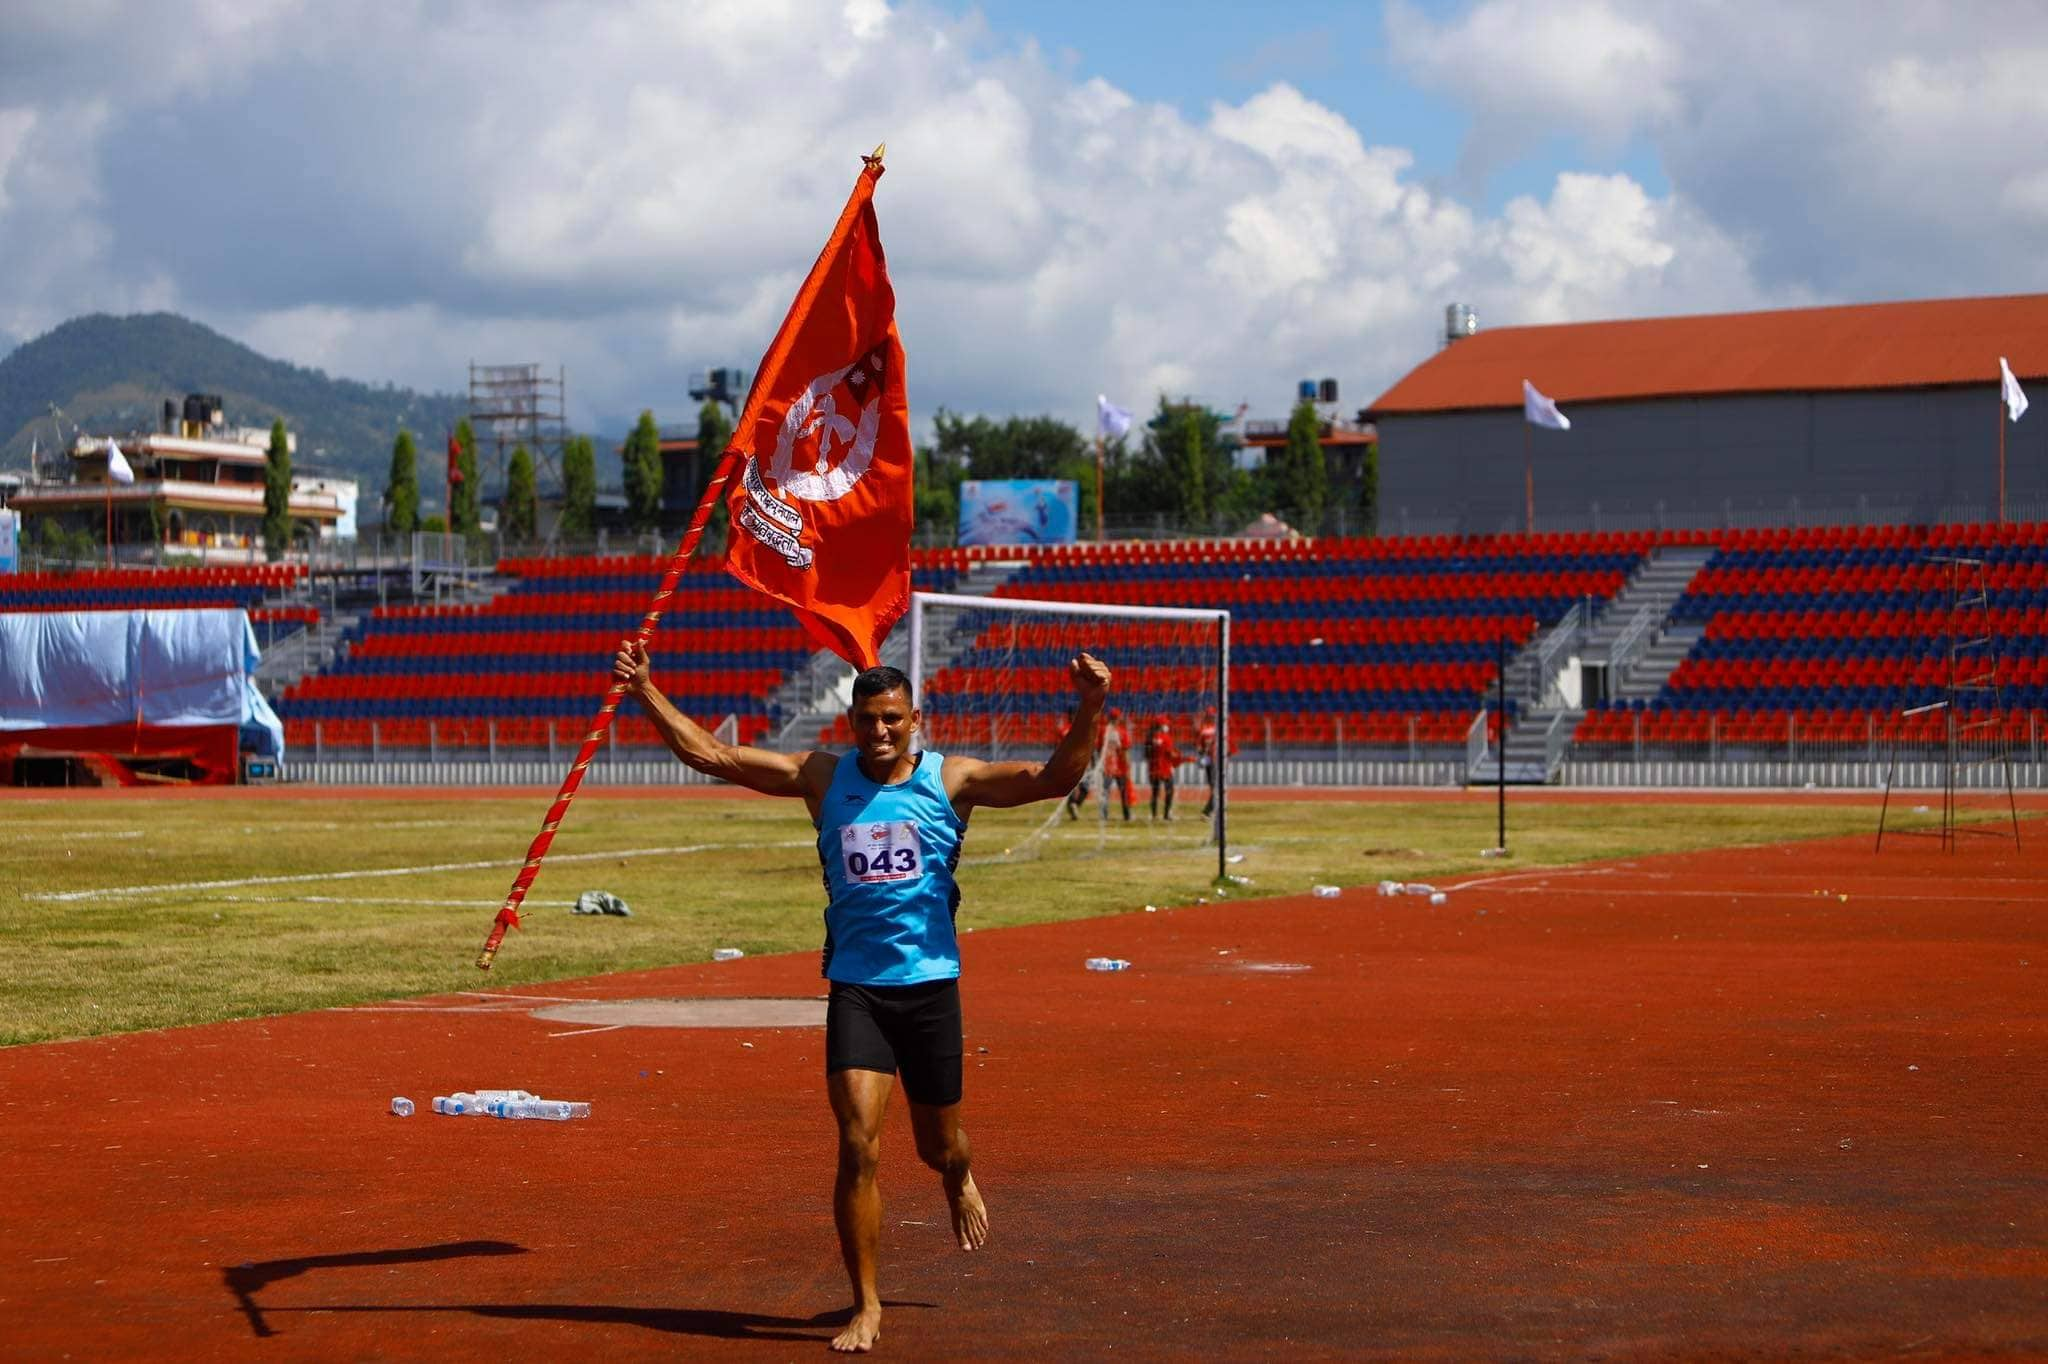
pixel 1110 420
pixel 1098 478
pixel 1528 481
pixel 1537 410
pixel 2012 405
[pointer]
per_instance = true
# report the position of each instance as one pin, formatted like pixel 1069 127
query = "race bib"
pixel 887 850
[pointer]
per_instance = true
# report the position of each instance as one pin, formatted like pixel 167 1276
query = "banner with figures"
pixel 1018 511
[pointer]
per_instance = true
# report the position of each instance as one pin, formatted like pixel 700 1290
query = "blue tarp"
pixel 65 668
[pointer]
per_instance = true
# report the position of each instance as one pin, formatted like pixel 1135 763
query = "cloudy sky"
pixel 1211 199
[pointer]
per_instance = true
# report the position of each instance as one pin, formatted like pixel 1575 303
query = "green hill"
pixel 112 375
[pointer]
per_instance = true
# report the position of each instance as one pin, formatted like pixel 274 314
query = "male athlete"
pixel 890 824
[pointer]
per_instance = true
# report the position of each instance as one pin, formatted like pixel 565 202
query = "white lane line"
pixel 173 887
pixel 49 836
pixel 585 1032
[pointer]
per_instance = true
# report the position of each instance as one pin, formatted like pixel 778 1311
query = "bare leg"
pixel 859 1099
pixel 942 1144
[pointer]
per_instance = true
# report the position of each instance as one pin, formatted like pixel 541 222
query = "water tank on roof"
pixel 1327 391
pixel 1459 322
pixel 1305 391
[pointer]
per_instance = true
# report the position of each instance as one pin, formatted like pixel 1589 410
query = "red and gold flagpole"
pixel 508 914
pixel 771 363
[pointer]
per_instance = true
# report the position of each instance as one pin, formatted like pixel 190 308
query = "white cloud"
pixel 633 191
pixel 1862 150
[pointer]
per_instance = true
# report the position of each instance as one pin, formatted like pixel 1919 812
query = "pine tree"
pixel 642 474
pixel 402 487
pixel 579 489
pixel 277 494
pixel 1305 478
pixel 521 498
pixel 1192 469
pixel 464 519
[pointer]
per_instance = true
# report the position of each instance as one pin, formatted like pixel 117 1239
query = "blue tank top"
pixel 888 854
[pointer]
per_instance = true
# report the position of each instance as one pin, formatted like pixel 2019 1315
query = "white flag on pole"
pixel 2015 396
pixel 117 464
pixel 1111 421
pixel 1541 411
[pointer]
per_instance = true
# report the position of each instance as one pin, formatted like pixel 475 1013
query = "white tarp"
pixel 63 668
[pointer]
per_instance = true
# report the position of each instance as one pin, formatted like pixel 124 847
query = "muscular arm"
pixel 971 782
pixel 758 769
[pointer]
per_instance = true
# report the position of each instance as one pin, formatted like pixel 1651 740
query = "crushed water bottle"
pixel 1326 892
pixel 1108 964
pixel 550 1110
pixel 726 954
pixel 402 1106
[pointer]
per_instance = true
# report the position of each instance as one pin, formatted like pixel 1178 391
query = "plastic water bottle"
pixel 402 1106
pixel 550 1110
pixel 1419 888
pixel 443 1103
pixel 458 1105
pixel 484 1096
pixel 726 954
pixel 1327 892
pixel 1438 898
pixel 1108 964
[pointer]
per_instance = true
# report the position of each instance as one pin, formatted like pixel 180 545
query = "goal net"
pixel 991 677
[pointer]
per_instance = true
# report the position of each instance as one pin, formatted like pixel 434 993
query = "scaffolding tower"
pixel 1973 733
pixel 519 405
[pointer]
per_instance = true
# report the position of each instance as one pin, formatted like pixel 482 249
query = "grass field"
pixel 117 915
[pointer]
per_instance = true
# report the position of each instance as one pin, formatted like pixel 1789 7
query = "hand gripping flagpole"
pixel 508 914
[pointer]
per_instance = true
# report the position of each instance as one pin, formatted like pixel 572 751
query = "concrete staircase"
pixel 1634 647
pixel 1628 650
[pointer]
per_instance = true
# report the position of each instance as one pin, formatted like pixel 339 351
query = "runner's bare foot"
pixel 861 1333
pixel 970 1215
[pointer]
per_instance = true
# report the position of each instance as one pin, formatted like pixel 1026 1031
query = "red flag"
pixel 821 513
pixel 454 459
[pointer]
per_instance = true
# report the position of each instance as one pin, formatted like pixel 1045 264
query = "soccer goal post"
pixel 990 676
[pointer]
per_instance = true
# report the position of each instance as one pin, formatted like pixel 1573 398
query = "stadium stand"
pixel 1353 642
pixel 1826 638
pixel 526 668
pixel 1810 637
pixel 249 586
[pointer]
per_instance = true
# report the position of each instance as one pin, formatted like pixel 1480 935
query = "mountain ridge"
pixel 111 375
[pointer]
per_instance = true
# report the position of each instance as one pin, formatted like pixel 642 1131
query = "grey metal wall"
pixel 1907 455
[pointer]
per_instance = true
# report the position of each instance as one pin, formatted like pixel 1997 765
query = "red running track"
pixel 1682 1107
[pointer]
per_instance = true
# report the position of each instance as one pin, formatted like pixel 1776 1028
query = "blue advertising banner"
pixel 1018 511
pixel 9 551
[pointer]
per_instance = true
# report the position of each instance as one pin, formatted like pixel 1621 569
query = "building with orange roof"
pixel 1885 412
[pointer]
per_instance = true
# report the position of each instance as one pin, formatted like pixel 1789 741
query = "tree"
pixel 641 457
pixel 714 433
pixel 402 487
pixel 1369 490
pixel 1304 486
pixel 1191 469
pixel 277 494
pixel 522 509
pixel 1016 447
pixel 579 489
pixel 463 516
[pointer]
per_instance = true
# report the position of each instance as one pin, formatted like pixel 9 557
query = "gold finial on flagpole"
pixel 876 159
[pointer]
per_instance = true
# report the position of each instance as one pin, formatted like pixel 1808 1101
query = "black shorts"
pixel 914 1028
